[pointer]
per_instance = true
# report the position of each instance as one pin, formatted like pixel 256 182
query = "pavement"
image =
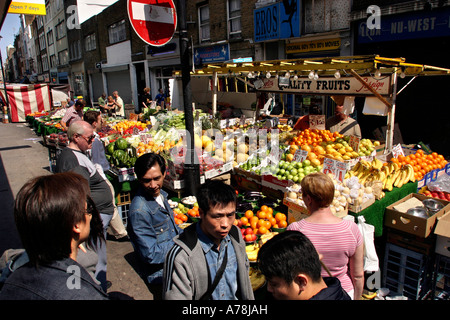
pixel 22 157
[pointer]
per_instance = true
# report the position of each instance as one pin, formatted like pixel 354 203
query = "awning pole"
pixel 391 118
pixel 379 96
pixel 214 97
pixel 404 87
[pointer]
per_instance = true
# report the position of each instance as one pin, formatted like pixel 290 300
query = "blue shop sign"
pixel 425 24
pixel 280 20
pixel 217 53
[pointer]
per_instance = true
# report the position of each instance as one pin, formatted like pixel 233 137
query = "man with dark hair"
pixel 73 113
pixel 208 260
pixel 151 224
pixel 292 268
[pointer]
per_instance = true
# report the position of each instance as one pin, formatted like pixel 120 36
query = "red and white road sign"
pixel 155 21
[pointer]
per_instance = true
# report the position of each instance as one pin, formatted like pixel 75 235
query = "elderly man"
pixel 118 102
pixel 74 113
pixel 73 158
pixel 341 122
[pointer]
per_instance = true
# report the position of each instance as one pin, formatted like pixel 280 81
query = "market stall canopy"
pixel 4 11
pixel 362 65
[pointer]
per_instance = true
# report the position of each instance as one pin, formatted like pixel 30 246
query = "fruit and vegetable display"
pixel 120 154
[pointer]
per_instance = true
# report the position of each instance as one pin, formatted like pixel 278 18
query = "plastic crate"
pixel 123 198
pixel 441 278
pixel 407 272
pixel 123 213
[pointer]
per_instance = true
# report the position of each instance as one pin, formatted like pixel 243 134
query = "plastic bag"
pixel 442 183
pixel 371 263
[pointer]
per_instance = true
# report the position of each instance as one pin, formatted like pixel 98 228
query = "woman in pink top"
pixel 338 241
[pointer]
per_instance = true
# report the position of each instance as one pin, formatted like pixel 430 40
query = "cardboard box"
pixel 410 224
pixel 443 235
pixel 361 207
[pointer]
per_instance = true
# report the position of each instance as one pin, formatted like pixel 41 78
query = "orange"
pixel 262 230
pixel 269 212
pixel 280 217
pixel 264 208
pixel 184 218
pixel 262 214
pixel 261 223
pixel 254 224
pixel 249 214
pixel 267 224
pixel 254 219
pixel 244 220
pixel 272 221
pixel 283 224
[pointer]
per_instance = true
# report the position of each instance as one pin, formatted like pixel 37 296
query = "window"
pixel 60 30
pixel 89 42
pixel 203 14
pixel 53 61
pixel 42 40
pixel 63 57
pixel 117 32
pixel 50 37
pixel 75 50
pixel 234 19
pixel 325 15
pixel 44 62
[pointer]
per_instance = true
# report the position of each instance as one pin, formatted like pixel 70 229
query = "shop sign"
pixel 218 53
pixel 425 24
pixel 315 45
pixel 280 20
pixel 329 86
pixel 35 7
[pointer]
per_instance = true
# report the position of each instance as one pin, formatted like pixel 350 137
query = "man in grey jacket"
pixel 208 260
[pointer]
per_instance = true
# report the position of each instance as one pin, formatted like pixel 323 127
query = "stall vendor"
pixel 341 122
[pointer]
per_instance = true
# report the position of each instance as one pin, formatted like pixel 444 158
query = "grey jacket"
pixel 186 271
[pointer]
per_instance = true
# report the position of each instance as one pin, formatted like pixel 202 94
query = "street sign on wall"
pixel 155 21
pixel 35 7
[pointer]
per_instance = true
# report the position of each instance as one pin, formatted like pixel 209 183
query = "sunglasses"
pixel 89 139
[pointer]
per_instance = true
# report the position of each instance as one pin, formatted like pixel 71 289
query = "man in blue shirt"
pixel 151 224
pixel 192 265
pixel 160 98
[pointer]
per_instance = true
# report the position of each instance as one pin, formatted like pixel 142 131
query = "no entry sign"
pixel 155 21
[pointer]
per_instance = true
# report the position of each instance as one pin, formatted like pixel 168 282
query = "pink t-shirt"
pixel 336 243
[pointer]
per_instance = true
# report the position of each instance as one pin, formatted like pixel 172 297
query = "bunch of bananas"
pixel 284 127
pixel 257 279
pixel 252 252
pixel 391 174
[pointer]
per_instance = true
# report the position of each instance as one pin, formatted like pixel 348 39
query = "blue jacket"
pixel 151 229
pixel 59 280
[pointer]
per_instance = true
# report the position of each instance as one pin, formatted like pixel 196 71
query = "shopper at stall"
pixel 339 241
pixel 118 102
pixel 98 156
pixel 151 224
pixel 160 98
pixel 208 260
pixel 74 158
pixel 110 107
pixel 341 122
pixel 146 99
pixel 292 269
pixel 54 215
pixel 102 102
pixel 73 113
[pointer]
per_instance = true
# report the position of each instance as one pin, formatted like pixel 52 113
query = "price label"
pixel 337 168
pixel 354 142
pixel 300 155
pixel 317 121
pixel 397 150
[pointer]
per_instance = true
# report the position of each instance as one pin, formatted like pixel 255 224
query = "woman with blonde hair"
pixel 338 241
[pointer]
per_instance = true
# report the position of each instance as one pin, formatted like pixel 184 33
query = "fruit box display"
pixel 396 216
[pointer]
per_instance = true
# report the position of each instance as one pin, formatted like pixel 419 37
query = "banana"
pixel 410 173
pixel 369 296
pixel 376 163
pixel 389 181
pixel 385 169
pixel 356 167
pixel 381 175
pixel 401 178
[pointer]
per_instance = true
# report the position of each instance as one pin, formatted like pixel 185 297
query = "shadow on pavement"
pixel 9 237
pixel 142 271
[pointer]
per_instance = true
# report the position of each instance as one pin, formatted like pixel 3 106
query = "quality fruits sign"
pixel 155 21
pixel 329 86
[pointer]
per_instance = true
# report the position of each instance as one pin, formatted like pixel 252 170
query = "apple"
pixel 248 231
pixel 447 196
pixel 250 237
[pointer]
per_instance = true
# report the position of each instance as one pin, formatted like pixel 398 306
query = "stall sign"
pixel 335 167
pixel 330 86
pixel 354 142
pixel 300 155
pixel 218 53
